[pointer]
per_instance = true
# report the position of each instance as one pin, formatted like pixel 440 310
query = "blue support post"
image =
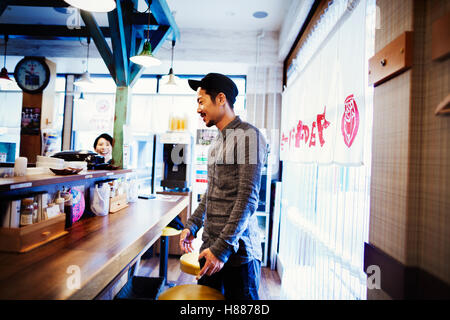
pixel 118 40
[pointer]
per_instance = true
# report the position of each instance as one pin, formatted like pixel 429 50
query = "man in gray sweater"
pixel 230 255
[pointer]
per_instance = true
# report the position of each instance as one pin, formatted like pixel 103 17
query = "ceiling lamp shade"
pixel 93 5
pixel 172 80
pixel 146 58
pixel 81 100
pixel 4 78
pixel 84 81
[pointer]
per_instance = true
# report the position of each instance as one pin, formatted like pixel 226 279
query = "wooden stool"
pixel 191 292
pixel 189 263
pixel 164 251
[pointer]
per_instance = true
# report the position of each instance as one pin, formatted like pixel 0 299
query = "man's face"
pixel 211 111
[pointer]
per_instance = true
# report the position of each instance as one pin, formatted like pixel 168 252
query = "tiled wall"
pixel 410 193
pixel 434 187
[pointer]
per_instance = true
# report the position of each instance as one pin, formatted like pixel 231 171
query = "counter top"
pixel 97 249
pixel 35 180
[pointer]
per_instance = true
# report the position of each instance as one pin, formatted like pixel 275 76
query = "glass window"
pixel 92 116
pixel 145 85
pixel 10 115
pixel 102 84
pixel 182 86
pixel 52 135
pixel 241 84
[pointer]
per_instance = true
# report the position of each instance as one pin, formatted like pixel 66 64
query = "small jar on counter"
pixel 26 214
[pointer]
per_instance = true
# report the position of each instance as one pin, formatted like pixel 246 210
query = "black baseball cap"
pixel 217 82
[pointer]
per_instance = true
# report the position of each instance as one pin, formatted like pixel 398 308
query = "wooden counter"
pixel 101 247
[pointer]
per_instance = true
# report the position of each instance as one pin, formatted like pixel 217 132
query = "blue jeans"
pixel 235 282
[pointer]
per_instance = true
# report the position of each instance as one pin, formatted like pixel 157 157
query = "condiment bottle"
pixel 35 212
pixel 60 202
pixel 26 214
pixel 68 209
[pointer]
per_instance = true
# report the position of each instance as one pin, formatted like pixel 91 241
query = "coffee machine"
pixel 177 158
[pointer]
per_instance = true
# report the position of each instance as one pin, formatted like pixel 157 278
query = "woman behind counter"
pixel 103 146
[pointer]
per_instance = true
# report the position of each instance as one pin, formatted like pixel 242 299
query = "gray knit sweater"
pixel 227 210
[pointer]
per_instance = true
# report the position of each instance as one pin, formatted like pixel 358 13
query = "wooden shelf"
pixel 36 180
pixel 392 60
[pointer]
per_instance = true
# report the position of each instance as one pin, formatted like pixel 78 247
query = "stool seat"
pixel 189 263
pixel 191 292
pixel 169 232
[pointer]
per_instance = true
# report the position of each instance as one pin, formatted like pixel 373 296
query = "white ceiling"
pixel 201 24
pixel 229 14
pixel 190 14
pixel 44 15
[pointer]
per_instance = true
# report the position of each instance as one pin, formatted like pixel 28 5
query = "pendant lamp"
pixel 85 80
pixel 172 79
pixel 146 58
pixel 81 99
pixel 4 78
pixel 93 5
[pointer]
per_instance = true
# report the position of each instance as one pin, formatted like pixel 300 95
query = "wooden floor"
pixel 269 285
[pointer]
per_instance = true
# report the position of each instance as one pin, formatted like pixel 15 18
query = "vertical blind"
pixel 325 207
pixel 324 224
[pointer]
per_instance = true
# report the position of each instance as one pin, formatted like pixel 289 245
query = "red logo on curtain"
pixel 350 121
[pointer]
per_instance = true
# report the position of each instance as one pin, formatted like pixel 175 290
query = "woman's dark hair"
pixel 104 136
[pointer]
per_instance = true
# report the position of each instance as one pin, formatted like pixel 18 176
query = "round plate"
pixel 66 171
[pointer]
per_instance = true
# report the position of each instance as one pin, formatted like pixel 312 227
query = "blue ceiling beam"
pixel 100 41
pixel 128 30
pixel 3 5
pixel 163 16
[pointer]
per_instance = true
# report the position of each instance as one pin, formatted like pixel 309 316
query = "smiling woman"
pixel 103 146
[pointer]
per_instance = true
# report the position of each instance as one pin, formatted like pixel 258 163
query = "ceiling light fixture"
pixel 260 14
pixel 93 5
pixel 4 78
pixel 81 100
pixel 146 58
pixel 173 79
pixel 85 80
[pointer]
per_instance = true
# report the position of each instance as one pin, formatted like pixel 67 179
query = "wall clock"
pixel 32 74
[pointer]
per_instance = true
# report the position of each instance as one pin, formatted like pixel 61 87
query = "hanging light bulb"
pixel 146 58
pixel 171 78
pixel 85 80
pixel 93 5
pixel 4 78
pixel 81 99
